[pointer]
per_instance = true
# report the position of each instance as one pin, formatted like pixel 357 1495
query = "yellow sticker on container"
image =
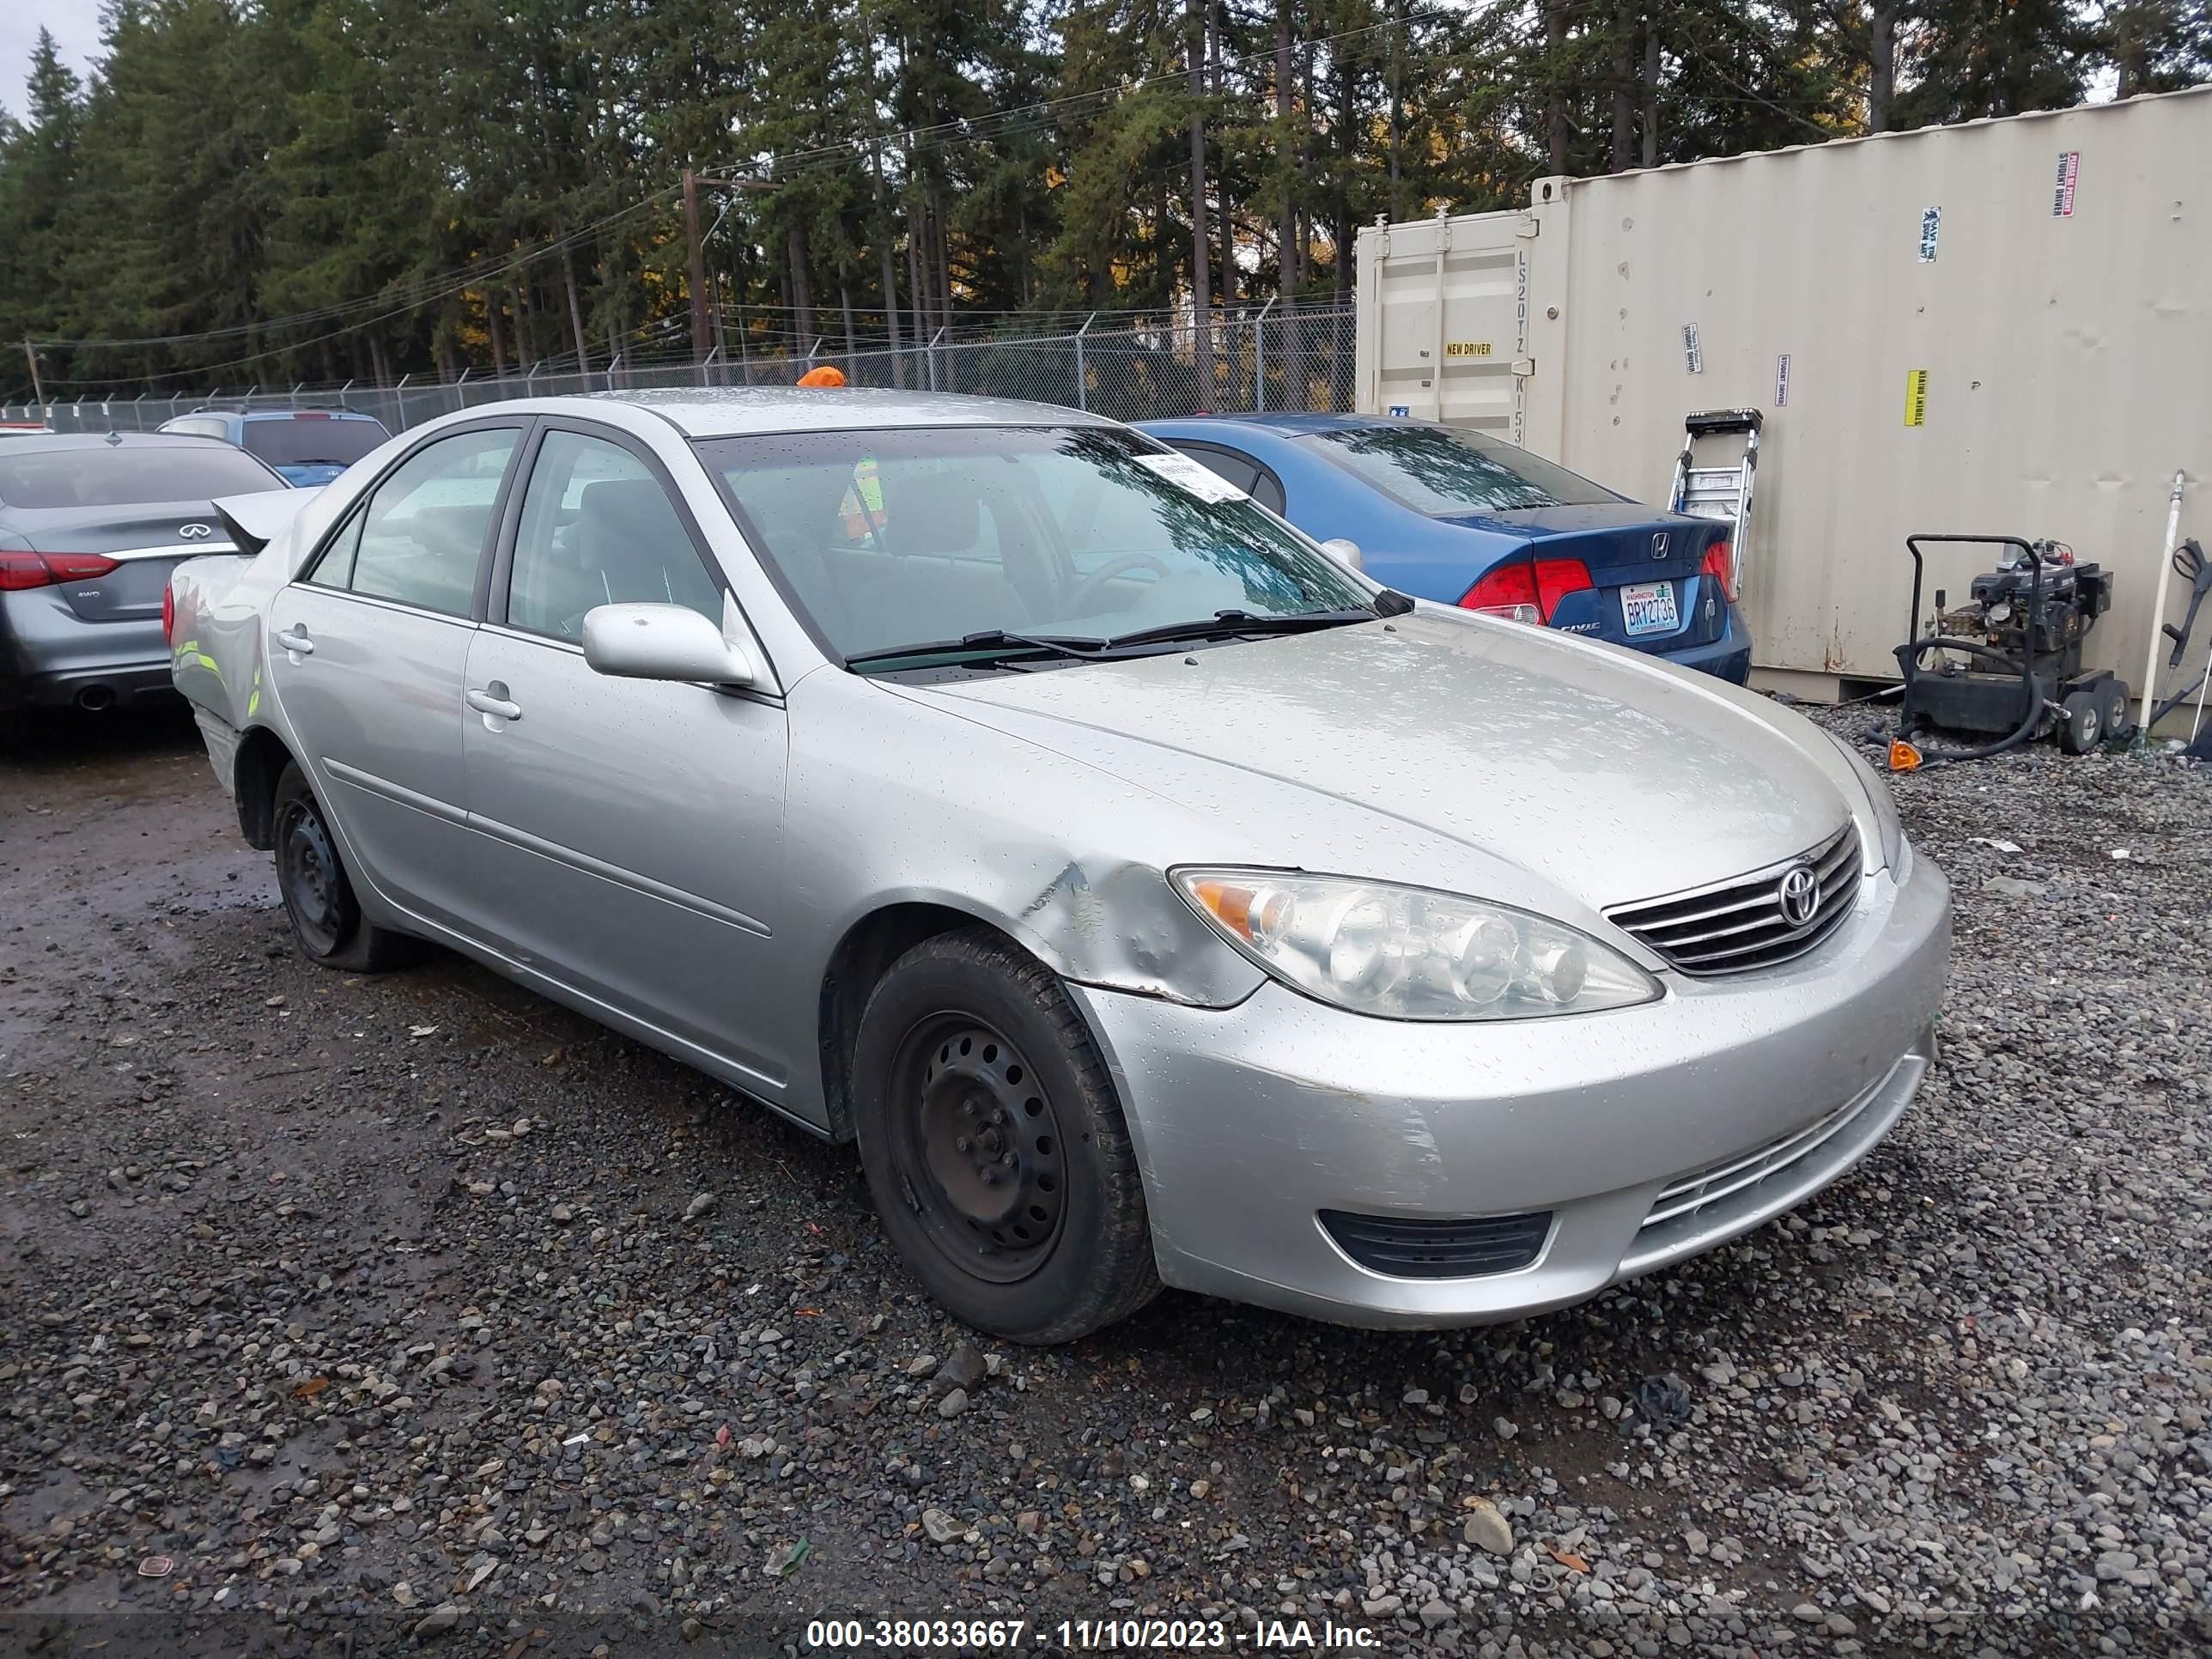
pixel 1466 348
pixel 1916 396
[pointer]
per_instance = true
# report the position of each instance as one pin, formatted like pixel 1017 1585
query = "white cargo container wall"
pixel 2001 327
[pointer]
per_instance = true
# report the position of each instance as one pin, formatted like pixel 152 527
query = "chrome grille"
pixel 1736 927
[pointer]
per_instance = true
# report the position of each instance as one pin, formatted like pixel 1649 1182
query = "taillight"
pixel 1718 559
pixel 1527 592
pixel 20 568
pixel 168 616
pixel 1556 579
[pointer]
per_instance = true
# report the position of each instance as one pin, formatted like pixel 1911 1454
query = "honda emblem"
pixel 1659 545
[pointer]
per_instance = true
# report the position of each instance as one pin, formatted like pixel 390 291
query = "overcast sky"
pixel 76 26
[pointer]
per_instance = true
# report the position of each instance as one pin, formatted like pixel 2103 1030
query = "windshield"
pixel 303 440
pixel 125 475
pixel 1444 472
pixel 931 534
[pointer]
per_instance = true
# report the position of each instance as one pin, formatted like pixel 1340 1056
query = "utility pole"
pixel 698 266
pixel 38 386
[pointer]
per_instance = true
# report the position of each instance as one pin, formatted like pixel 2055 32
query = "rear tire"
pixel 2083 728
pixel 325 916
pixel 994 1145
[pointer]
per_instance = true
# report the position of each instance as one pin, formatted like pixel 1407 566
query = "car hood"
pixel 1606 775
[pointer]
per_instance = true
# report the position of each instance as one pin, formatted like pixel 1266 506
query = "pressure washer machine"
pixel 2005 668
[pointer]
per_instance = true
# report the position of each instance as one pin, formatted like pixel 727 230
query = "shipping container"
pixel 2004 326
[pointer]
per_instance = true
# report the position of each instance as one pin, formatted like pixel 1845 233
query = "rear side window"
pixel 1444 472
pixel 310 440
pixel 127 475
pixel 420 535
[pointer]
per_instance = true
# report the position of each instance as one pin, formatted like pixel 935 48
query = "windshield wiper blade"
pixel 1228 624
pixel 988 644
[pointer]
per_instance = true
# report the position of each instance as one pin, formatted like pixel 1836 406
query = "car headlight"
pixel 1881 802
pixel 1407 953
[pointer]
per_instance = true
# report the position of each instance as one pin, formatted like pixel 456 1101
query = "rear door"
pixel 628 832
pixel 367 651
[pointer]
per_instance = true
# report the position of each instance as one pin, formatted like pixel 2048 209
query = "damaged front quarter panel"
pixel 1123 927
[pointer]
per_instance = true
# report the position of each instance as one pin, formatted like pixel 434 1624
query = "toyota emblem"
pixel 1799 896
pixel 193 532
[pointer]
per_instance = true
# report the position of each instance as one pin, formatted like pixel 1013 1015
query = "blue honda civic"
pixel 1463 519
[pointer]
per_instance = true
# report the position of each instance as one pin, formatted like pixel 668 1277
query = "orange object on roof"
pixel 825 375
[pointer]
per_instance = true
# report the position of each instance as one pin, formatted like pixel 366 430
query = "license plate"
pixel 1649 608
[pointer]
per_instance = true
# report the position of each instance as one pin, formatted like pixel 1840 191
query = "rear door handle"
pixel 297 642
pixel 484 703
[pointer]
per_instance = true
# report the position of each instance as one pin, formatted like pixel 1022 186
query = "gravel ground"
pixel 343 1314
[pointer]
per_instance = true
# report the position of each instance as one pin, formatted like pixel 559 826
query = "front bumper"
pixel 1649 1133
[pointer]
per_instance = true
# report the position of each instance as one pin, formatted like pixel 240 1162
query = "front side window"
pixel 597 528
pixel 1445 473
pixel 420 537
pixel 932 534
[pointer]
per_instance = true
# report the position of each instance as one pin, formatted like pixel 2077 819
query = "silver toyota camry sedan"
pixel 1153 898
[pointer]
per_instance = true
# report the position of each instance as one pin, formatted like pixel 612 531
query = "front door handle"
pixel 484 702
pixel 297 642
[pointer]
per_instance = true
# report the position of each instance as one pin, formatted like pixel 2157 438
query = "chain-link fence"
pixel 1276 358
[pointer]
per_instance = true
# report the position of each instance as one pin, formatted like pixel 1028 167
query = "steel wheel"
pixel 977 1143
pixel 309 878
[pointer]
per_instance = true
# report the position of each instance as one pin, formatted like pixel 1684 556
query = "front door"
pixel 628 831
pixel 366 654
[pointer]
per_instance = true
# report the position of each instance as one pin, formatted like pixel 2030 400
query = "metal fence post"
pixel 934 339
pixel 1082 372
pixel 1259 357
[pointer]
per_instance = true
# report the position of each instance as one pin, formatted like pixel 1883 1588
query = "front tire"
pixel 327 918
pixel 994 1145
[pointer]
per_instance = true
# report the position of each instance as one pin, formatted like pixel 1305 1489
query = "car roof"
pixel 293 414
pixel 733 411
pixel 1286 422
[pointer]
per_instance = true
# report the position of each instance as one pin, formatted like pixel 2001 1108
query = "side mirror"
pixel 662 642
pixel 1345 551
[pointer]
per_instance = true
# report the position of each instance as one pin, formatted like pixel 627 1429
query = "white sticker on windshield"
pixel 1200 480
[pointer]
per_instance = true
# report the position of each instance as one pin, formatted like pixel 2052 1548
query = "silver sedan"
pixel 1152 898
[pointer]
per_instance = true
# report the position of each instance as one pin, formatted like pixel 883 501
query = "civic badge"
pixel 1799 896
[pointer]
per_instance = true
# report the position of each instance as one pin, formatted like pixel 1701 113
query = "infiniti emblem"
pixel 1659 545
pixel 193 532
pixel 1799 896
